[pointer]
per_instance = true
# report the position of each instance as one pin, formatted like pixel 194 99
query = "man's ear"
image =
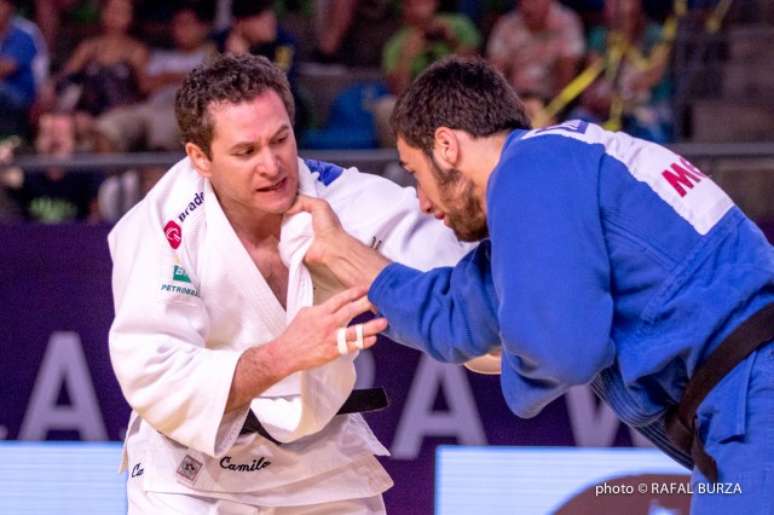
pixel 199 158
pixel 446 146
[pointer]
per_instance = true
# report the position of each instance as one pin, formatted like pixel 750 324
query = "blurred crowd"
pixel 100 75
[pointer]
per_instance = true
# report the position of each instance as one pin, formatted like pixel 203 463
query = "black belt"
pixel 681 419
pixel 359 401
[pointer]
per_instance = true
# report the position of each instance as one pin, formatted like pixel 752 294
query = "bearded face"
pixel 464 214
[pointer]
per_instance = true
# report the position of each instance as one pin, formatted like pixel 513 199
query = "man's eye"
pixel 244 152
pixel 281 139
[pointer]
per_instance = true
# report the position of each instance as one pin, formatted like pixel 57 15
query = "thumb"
pixel 302 203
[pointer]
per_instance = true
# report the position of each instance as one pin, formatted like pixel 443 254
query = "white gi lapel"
pixel 232 284
pixel 324 389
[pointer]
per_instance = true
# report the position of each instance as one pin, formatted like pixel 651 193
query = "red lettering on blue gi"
pixel 682 177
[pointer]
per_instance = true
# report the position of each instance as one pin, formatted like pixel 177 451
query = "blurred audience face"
pixel 117 16
pixel 188 31
pixel 623 14
pixel 419 12
pixel 535 13
pixel 6 12
pixel 56 134
pixel 261 28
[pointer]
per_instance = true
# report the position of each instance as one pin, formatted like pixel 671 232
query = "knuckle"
pixel 330 324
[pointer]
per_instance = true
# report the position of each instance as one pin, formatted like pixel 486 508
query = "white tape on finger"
pixel 359 336
pixel 341 341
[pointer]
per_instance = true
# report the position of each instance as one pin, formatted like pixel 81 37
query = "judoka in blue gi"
pixel 604 259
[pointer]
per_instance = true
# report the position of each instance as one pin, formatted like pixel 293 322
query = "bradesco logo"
pixel 172 230
pixel 174 234
pixel 197 201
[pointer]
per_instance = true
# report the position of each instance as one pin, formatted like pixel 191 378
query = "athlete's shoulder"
pixel 325 172
pixel 574 145
pixel 561 159
pixel 337 184
pixel 577 130
pixel 175 200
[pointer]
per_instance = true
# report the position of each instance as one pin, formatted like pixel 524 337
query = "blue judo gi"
pixel 611 261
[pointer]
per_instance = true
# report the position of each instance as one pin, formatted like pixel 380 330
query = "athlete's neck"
pixel 253 227
pixel 482 157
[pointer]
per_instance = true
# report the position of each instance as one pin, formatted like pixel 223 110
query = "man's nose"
pixel 424 203
pixel 268 164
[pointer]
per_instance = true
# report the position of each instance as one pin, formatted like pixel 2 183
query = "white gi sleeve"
pixel 370 204
pixel 157 341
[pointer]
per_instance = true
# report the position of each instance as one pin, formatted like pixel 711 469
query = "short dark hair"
pixel 203 11
pixel 226 78
pixel 249 8
pixel 462 93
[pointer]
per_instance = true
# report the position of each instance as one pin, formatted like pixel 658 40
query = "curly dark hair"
pixel 462 93
pixel 226 78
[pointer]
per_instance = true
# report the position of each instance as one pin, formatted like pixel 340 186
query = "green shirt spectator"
pixel 425 37
pixel 463 31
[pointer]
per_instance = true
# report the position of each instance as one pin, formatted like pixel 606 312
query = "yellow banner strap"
pixel 715 20
pixel 577 86
pixel 620 49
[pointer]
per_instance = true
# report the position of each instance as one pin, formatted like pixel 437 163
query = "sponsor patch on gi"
pixel 173 233
pixel 189 468
pixel 173 288
pixel 198 200
pixel 137 470
pixel 179 275
pixel 577 126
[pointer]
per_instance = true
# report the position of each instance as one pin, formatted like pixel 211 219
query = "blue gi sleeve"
pixel 550 270
pixel 450 313
pixel 541 288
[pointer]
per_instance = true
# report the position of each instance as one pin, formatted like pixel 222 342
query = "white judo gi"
pixel 189 300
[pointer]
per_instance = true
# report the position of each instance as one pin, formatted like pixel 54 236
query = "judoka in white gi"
pixel 214 313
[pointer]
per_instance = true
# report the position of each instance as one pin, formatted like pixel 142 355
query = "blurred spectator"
pixel 353 32
pixel 151 124
pixel 535 107
pixel 104 71
pixel 119 193
pixel 9 178
pixel 54 196
pixel 255 30
pixel 425 37
pixel 636 56
pixel 350 122
pixel 9 212
pixel 334 19
pixel 18 51
pixel 153 17
pixel 592 12
pixel 50 15
pixel 42 61
pixel 538 46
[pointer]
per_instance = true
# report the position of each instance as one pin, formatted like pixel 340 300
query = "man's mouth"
pixel 274 187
